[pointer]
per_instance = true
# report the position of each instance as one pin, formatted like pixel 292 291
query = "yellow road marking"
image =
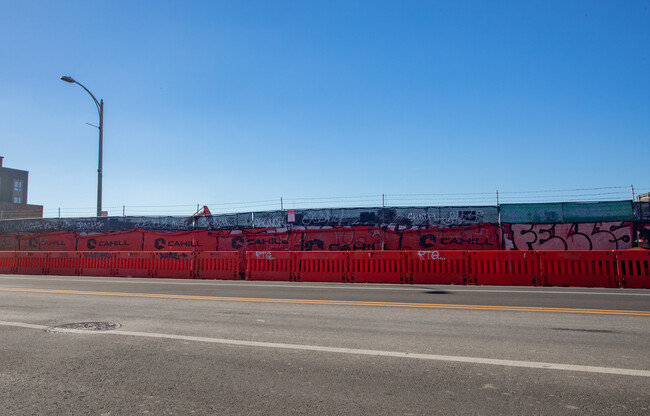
pixel 335 302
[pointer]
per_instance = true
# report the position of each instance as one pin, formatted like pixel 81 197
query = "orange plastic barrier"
pixel 437 267
pixel 377 267
pixel 322 266
pixel 633 267
pixel 511 268
pixel 216 265
pixel 98 263
pixel 173 264
pixel 271 265
pixel 134 263
pixel 7 262
pixel 578 268
pixel 31 262
pixel 64 263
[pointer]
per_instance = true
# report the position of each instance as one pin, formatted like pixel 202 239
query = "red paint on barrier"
pixel 7 262
pixel 510 268
pixel 377 267
pixel 244 241
pixel 633 268
pixel 578 268
pixel 271 265
pixel 322 266
pixel 31 262
pixel 217 265
pixel 64 263
pixel 437 267
pixel 98 263
pixel 173 264
pixel 134 264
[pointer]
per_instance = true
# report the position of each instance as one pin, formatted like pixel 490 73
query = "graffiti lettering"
pixel 429 255
pixel 97 255
pixel 174 256
pixel 264 255
pixel 576 236
pixel 268 222
pixel 323 217
pixel 318 244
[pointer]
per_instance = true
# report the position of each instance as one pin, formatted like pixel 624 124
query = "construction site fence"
pixel 443 216
pixel 610 269
pixel 168 264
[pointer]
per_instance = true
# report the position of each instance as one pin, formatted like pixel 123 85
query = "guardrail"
pixel 613 269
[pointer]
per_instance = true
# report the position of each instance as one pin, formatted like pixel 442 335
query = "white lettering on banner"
pixel 265 255
pixel 429 255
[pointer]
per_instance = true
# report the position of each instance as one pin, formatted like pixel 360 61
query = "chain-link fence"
pixel 336 217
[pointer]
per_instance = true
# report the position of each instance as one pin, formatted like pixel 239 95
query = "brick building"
pixel 13 195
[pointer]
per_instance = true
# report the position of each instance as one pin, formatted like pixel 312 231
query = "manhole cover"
pixel 85 327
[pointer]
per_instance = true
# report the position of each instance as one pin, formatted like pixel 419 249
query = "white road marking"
pixel 355 351
pixel 347 286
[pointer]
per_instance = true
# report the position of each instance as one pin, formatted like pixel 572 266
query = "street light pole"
pixel 100 109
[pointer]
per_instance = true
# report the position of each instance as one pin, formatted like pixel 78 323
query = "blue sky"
pixel 227 102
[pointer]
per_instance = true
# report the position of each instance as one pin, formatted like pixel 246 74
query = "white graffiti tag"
pixel 429 255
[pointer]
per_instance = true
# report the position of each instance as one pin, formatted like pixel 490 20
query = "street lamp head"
pixel 68 79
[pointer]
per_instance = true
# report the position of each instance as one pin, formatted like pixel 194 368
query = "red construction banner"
pixel 120 241
pixel 58 241
pixel 9 242
pixel 343 239
pixel 473 237
pixel 270 239
pixel 200 240
pixel 571 236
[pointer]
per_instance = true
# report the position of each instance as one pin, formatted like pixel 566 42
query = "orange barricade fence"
pixel 64 263
pixel 633 267
pixel 31 262
pixel 134 263
pixel 509 268
pixel 437 267
pixel 216 265
pixel 630 268
pixel 578 268
pixel 173 264
pixel 271 265
pixel 322 266
pixel 7 262
pixel 98 263
pixel 377 267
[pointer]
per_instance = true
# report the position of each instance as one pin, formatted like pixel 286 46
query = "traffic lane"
pixel 616 341
pixel 560 297
pixel 86 373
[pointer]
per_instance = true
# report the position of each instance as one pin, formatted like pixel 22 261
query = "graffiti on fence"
pixel 575 236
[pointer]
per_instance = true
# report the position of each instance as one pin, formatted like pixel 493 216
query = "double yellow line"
pixel 335 302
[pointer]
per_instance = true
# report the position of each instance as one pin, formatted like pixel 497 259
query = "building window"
pixel 18 185
pixel 18 200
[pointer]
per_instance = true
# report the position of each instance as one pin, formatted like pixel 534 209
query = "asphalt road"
pixel 259 348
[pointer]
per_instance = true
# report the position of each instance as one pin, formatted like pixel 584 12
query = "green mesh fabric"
pixel 532 213
pixel 567 212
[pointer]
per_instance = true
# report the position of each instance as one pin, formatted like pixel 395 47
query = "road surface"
pixel 260 348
